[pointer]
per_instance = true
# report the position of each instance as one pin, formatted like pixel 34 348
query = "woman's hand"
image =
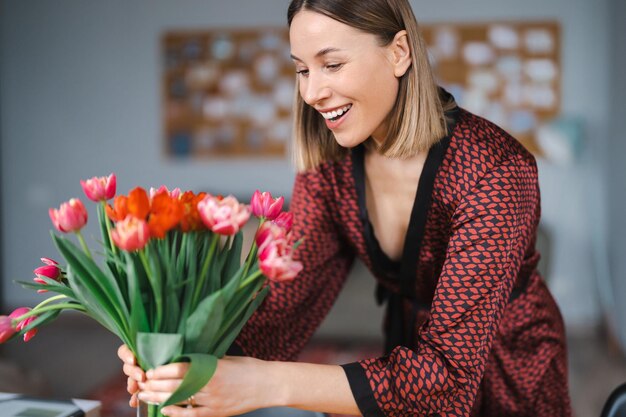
pixel 134 373
pixel 239 385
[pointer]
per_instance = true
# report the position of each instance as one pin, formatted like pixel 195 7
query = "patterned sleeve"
pixel 293 310
pixel 491 230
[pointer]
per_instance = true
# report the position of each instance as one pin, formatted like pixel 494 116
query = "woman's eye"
pixel 334 67
pixel 302 72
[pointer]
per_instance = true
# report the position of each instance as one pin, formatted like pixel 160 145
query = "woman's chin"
pixel 348 141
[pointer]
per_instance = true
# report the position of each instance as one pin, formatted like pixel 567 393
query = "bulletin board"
pixel 228 93
pixel 507 72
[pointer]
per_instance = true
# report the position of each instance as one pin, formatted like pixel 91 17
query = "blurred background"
pixel 88 88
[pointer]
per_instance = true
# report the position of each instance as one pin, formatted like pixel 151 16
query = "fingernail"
pixel 165 411
pixel 142 386
pixel 149 373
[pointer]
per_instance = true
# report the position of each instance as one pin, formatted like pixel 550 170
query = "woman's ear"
pixel 401 53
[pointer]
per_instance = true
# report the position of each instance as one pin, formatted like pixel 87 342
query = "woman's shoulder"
pixel 476 140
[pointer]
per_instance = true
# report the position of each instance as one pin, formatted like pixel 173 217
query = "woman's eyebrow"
pixel 320 53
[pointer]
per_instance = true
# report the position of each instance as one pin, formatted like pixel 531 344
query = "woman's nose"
pixel 313 90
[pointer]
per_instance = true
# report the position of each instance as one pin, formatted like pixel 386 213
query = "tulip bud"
pixel 50 270
pixel 70 217
pixel 267 232
pixel 284 220
pixel 100 188
pixel 276 262
pixel 24 323
pixel 131 234
pixel 175 193
pixel 263 205
pixel 224 216
pixel 6 328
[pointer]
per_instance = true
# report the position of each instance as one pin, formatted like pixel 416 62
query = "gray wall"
pixel 81 97
pixel 616 179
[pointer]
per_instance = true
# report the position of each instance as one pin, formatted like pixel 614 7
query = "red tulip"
pixel 263 205
pixel 223 216
pixel 131 234
pixel 100 188
pixel 6 328
pixel 70 217
pixel 276 262
pixel 24 323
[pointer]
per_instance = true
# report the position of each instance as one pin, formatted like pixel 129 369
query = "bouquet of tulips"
pixel 171 281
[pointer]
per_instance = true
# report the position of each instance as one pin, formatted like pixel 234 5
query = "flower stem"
pixel 83 244
pixel 61 306
pixel 108 225
pixel 250 279
pixel 49 300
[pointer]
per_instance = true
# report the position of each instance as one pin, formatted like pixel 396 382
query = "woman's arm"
pixel 243 384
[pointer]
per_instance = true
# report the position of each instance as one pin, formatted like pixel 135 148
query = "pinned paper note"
pixel 503 37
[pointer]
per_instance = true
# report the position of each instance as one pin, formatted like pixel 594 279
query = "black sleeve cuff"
pixel 361 390
pixel 235 350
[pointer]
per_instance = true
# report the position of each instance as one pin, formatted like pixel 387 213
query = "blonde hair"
pixel 416 121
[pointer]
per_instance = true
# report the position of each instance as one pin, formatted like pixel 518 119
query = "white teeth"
pixel 335 113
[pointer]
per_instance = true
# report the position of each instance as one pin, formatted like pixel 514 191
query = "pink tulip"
pixel 50 270
pixel 269 231
pixel 175 193
pixel 276 262
pixel 263 205
pixel 131 234
pixel 223 216
pixel 284 220
pixel 6 328
pixel 70 217
pixel 24 323
pixel 100 188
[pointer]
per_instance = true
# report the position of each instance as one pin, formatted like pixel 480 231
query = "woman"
pixel 440 204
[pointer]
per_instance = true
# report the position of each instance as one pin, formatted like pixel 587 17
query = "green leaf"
pixel 50 285
pixel 102 219
pixel 172 308
pixel 233 260
pixel 99 284
pixel 138 317
pixel 156 349
pixel 95 305
pixel 204 323
pixel 201 370
pixel 233 331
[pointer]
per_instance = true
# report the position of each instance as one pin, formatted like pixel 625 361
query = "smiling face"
pixel 345 75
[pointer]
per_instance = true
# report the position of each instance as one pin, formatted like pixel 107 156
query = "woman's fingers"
pixel 160 385
pixel 173 411
pixel 134 372
pixel 170 371
pixel 134 402
pixel 131 386
pixel 158 391
pixel 125 354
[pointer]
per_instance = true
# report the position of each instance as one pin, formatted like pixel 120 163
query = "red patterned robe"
pixel 471 327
